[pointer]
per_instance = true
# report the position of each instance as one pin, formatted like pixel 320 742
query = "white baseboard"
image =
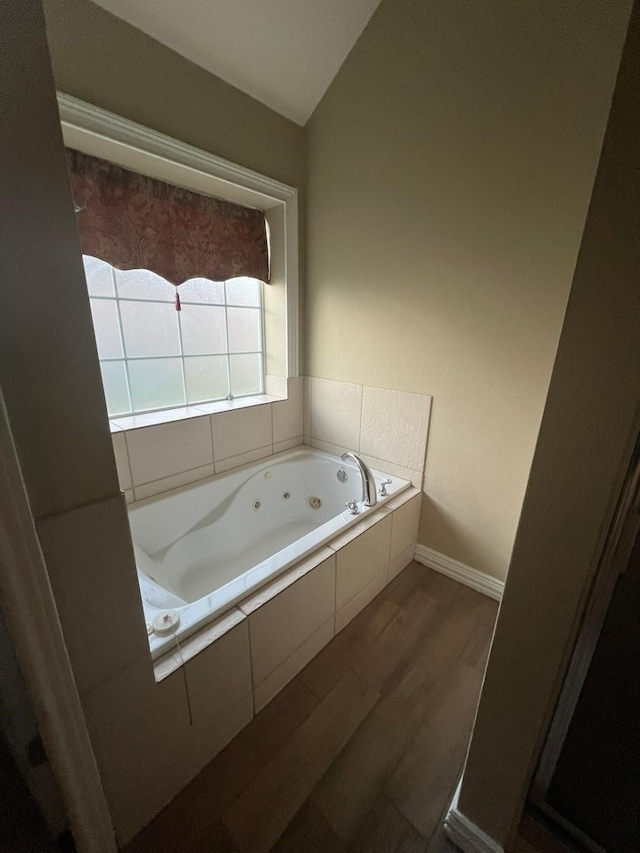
pixel 486 584
pixel 467 836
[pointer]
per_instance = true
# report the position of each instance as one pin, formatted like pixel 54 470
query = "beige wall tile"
pixel 335 449
pixel 192 646
pixel 160 451
pixel 220 690
pixel 243 458
pixel 275 385
pixel 287 670
pixel 122 460
pixel 362 560
pixel 283 624
pixel 415 477
pixel 147 490
pixel 92 568
pixel 140 731
pixel 147 744
pixel 400 562
pixel 284 581
pixel 404 526
pixel 240 431
pixel 281 446
pixel 359 601
pixel 355 531
pixel 402 497
pixel 395 425
pixel 336 409
pixel 306 405
pixel 288 415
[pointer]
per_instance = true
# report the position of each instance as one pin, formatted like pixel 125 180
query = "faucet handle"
pixel 352 506
pixel 382 491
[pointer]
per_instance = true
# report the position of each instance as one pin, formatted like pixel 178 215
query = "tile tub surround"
pixel 388 428
pixel 205 548
pixel 248 656
pixel 314 599
pixel 162 451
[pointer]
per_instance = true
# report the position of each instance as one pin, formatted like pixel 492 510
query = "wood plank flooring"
pixel 362 751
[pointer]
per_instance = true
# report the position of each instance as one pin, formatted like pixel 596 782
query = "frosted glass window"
pixel 153 357
pixel 143 284
pixel 107 328
pixel 203 290
pixel 156 383
pixel 204 329
pixel 99 277
pixel 207 378
pixel 116 387
pixel 150 328
pixel 245 327
pixel 243 291
pixel 246 374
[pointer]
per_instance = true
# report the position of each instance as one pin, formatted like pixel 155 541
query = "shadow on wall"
pixel 466 542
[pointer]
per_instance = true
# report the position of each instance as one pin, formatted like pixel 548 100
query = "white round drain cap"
pixel 166 623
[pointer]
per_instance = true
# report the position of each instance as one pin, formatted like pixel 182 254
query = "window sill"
pixel 129 422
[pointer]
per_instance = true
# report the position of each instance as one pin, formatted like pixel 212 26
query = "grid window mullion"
pixel 184 375
pixel 262 337
pixel 127 359
pixel 226 325
pixel 122 340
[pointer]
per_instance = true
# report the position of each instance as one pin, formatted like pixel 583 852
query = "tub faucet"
pixel 369 497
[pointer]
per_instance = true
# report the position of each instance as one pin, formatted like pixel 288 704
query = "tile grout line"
pixel 177 474
pixel 126 449
pixel 213 448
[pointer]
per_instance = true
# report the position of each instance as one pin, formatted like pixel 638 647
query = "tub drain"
pixel 314 502
pixel 286 496
pixel 256 505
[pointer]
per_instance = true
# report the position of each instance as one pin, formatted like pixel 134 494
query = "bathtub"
pixel 205 547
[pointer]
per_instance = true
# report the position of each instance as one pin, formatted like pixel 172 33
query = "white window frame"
pixel 100 133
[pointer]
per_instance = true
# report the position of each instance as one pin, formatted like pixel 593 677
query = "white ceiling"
pixel 284 53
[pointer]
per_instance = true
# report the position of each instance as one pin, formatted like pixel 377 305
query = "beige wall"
pixel 50 378
pixel 451 163
pixel 107 62
pixel 103 60
pixel 49 373
pixel 590 423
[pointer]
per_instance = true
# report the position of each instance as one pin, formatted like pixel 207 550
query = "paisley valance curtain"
pixel 135 222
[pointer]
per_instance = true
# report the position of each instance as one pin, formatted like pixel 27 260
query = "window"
pixel 153 357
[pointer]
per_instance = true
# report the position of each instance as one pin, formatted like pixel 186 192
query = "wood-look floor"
pixel 362 750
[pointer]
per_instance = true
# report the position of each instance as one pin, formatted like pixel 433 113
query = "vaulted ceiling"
pixel 284 53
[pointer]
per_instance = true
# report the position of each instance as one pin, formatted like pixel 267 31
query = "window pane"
pixel 244 329
pixel 114 380
pixel 206 378
pixel 98 275
pixel 246 374
pixel 156 383
pixel 143 284
pixel 150 328
pixel 202 290
pixel 243 291
pixel 203 329
pixel 106 327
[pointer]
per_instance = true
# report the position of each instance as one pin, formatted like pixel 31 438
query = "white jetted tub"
pixel 205 547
